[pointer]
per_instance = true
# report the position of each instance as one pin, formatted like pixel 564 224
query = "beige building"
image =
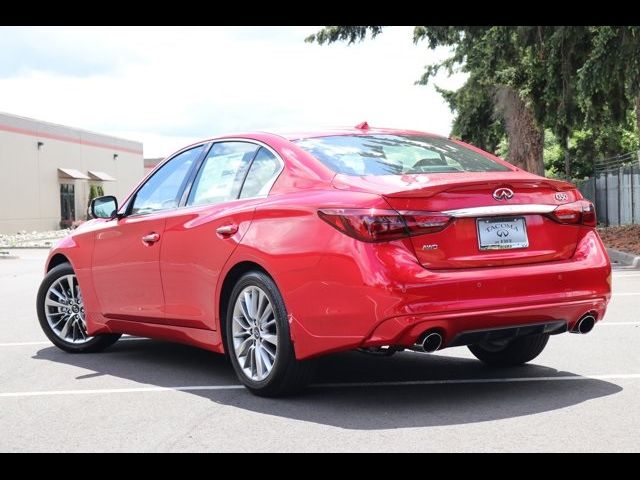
pixel 48 169
pixel 151 163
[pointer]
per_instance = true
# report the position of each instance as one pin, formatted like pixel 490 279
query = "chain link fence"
pixel 615 189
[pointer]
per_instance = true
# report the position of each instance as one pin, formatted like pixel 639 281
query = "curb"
pixel 624 258
pixel 5 255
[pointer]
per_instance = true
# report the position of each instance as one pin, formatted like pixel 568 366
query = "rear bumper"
pixel 471 337
pixel 376 295
pixel 454 325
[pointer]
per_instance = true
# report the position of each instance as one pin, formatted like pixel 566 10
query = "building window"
pixel 67 204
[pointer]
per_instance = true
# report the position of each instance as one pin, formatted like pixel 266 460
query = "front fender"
pixel 77 249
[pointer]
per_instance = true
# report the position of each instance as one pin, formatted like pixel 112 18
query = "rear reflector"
pixel 581 212
pixel 375 225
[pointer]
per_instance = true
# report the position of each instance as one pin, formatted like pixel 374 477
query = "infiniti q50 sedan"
pixel 278 249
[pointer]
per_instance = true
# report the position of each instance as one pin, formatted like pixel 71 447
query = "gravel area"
pixel 625 238
pixel 32 239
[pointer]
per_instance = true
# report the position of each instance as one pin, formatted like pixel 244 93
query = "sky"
pixel 171 86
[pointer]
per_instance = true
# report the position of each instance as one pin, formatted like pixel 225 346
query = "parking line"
pixel 22 344
pixel 615 324
pixel 625 294
pixel 461 381
pixel 46 393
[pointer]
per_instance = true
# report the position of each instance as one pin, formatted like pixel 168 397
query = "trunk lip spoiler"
pixel 497 210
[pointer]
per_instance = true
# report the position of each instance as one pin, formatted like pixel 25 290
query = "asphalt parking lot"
pixel 581 394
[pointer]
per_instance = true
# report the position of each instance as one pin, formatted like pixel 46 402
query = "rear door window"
pixel 222 173
pixel 263 172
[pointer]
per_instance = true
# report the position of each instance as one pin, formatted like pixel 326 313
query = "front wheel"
pixel 61 313
pixel 258 339
pixel 509 353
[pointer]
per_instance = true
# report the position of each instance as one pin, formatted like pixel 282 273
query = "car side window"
pixel 222 172
pixel 264 169
pixel 163 190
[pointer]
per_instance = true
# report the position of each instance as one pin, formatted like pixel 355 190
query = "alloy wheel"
pixel 64 310
pixel 255 333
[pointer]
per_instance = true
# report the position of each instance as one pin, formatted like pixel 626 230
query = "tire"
pixel 516 352
pixel 61 274
pixel 249 339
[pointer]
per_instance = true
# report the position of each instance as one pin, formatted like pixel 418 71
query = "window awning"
pixel 104 177
pixel 71 173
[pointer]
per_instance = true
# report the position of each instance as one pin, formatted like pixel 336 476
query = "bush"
pixel 95 191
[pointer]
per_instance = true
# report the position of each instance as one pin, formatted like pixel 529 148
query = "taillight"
pixel 375 225
pixel 581 212
pixel 419 223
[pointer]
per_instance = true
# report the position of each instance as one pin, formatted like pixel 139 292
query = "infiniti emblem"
pixel 502 193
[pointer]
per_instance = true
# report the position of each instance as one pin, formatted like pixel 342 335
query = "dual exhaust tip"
pixel 585 324
pixel 431 342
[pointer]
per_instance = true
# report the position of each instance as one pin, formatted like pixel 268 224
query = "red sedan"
pixel 277 249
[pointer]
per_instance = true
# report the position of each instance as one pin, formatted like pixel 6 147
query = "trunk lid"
pixel 469 197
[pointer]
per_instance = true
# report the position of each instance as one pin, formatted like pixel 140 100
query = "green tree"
pixel 576 82
pixel 588 144
pixel 562 51
pixel 500 63
pixel 609 80
pixel 475 119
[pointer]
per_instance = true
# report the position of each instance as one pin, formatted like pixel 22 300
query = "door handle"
pixel 227 230
pixel 151 238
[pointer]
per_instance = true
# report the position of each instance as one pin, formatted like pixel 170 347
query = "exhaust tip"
pixel 431 342
pixel 585 324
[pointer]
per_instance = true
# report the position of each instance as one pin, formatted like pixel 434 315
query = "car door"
pixel 126 256
pixel 200 237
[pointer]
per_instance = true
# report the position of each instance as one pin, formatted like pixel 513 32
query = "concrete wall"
pixel 29 181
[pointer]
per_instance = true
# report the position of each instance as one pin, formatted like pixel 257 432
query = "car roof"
pixel 327 132
pixel 293 135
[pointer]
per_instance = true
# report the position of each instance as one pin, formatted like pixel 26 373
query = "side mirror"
pixel 104 207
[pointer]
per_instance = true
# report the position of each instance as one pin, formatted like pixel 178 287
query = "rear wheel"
pixel 62 316
pixel 258 339
pixel 509 353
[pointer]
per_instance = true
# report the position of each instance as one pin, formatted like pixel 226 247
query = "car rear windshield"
pixel 396 155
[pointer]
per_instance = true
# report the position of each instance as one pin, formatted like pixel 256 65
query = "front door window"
pixel 163 190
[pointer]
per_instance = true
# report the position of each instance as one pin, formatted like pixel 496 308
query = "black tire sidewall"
pixel 285 352
pixel 519 351
pixel 97 343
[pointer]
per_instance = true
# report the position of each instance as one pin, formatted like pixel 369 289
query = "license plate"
pixel 502 233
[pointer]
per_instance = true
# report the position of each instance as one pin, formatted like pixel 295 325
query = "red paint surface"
pixel 340 292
